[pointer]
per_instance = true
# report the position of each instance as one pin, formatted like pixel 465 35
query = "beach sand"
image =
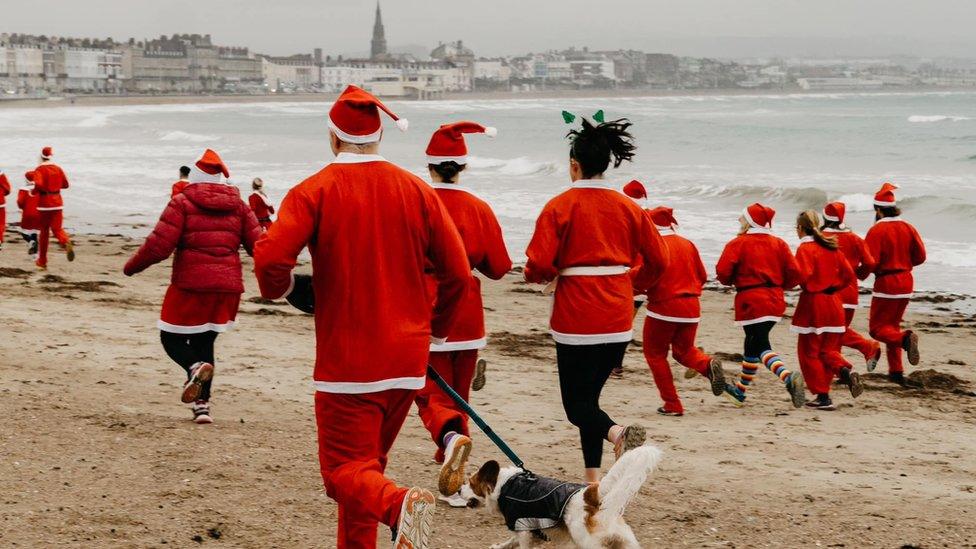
pixel 97 451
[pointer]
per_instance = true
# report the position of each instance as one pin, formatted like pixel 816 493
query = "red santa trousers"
pixel 884 324
pixel 3 223
pixel 355 435
pixel 820 360
pixel 439 411
pixel 853 340
pixel 679 337
pixel 51 222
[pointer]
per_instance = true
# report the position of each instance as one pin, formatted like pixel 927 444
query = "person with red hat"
pixel 205 225
pixel 456 360
pixel 587 240
pixel 673 313
pixel 375 232
pixel 819 315
pixel 859 257
pixel 760 266
pixel 49 181
pixel 4 191
pixel 30 218
pixel 182 182
pixel 898 248
pixel 260 204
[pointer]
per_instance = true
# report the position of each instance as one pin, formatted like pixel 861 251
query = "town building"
pixel 302 72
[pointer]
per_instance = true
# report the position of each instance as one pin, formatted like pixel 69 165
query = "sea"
pixel 706 156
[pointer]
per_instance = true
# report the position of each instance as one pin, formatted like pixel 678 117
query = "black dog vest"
pixel 531 503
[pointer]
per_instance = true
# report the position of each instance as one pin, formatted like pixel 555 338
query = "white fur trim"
pixel 449 346
pixel 491 131
pixel 679 319
pixel 52 209
pixel 880 203
pixel 199 176
pixel 403 124
pixel 462 160
pixel 453 187
pixel 888 219
pixel 752 222
pixel 355 139
pixel 353 158
pixel 831 217
pixel 842 229
pixel 892 296
pixel 758 320
pixel 591 339
pixel 818 330
pixel 851 306
pixel 594 184
pixel 806 240
pixel 359 388
pixel 759 230
pixel 199 329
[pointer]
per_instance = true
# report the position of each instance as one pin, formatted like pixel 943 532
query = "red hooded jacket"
pixel 4 189
pixel 898 248
pixel 858 256
pixel 206 225
pixel 760 266
pixel 824 274
pixel 49 180
pixel 675 297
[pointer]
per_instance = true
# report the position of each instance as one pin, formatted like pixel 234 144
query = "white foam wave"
pixel 178 135
pixel 923 118
pixel 858 202
pixel 520 166
pixel 95 121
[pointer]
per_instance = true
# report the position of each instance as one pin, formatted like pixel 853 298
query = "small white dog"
pixel 540 509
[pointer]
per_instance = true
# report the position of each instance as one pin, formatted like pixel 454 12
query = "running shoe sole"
pixel 479 375
pixel 730 392
pixel 856 385
pixel 797 389
pixel 70 249
pixel 913 356
pixel 416 520
pixel 716 376
pixel 662 411
pixel 203 419
pixel 452 471
pixel 872 362
pixel 193 386
pixel 634 436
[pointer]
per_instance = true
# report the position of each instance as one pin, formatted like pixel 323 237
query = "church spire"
pixel 378 44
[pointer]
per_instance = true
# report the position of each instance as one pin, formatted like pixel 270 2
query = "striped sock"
pixel 749 367
pixel 776 366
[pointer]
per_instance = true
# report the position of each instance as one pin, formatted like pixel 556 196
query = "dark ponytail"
pixel 593 146
pixel 808 222
pixel 448 171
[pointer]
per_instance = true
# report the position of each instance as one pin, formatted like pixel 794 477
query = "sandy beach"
pixel 97 451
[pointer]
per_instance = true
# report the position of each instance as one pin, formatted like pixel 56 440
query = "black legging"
pixel 757 339
pixel 188 349
pixel 583 371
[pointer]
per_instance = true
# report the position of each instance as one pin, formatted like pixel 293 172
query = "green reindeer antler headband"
pixel 569 117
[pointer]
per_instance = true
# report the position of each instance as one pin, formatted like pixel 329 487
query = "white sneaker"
pixel 201 412
pixel 416 520
pixel 452 471
pixel 456 501
pixel 200 373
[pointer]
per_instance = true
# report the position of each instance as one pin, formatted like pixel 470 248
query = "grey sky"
pixel 721 28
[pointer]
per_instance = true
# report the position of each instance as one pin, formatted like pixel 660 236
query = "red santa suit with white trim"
pixel 455 360
pixel 860 259
pixel 262 207
pixel 819 315
pixel 372 229
pixel 49 181
pixel 30 218
pixel 898 248
pixel 4 191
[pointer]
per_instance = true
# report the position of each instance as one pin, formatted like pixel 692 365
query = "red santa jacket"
pixel 261 206
pixel 485 247
pixel 590 236
pixel 898 248
pixel 178 187
pixel 858 256
pixel 206 225
pixel 675 297
pixel 371 228
pixel 824 274
pixel 760 266
pixel 49 181
pixel 4 190
pixel 27 201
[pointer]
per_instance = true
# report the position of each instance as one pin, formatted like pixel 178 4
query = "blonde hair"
pixel 744 225
pixel 809 223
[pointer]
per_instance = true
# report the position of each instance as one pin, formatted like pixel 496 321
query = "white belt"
pixel 602 270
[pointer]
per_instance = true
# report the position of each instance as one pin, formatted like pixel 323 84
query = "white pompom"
pixel 402 124
pixel 491 132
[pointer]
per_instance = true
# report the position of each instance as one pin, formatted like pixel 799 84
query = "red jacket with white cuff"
pixel 858 256
pixel 486 252
pixel 49 181
pixel 898 248
pixel 372 229
pixel 27 201
pixel 261 206
pixel 591 236
pixel 675 297
pixel 760 266
pixel 824 274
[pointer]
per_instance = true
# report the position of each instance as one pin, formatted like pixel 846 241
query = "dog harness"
pixel 533 503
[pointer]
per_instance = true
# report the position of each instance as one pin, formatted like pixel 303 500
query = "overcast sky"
pixel 720 28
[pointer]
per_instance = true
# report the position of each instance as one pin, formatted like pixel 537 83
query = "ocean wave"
pixel 521 166
pixel 809 197
pixel 178 135
pixel 95 121
pixel 922 118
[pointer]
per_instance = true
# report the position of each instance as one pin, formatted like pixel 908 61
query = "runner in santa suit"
pixel 262 207
pixel 856 251
pixel 4 191
pixel 182 182
pixel 372 229
pixel 760 266
pixel 819 316
pixel 590 237
pixel 49 181
pixel 673 313
pixel 898 248
pixel 456 360
pixel 205 225
pixel 30 218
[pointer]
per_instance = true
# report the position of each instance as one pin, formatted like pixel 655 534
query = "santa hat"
pixel 636 190
pixel 47 153
pixel 447 144
pixel 886 195
pixel 355 117
pixel 835 212
pixel 663 217
pixel 208 168
pixel 759 216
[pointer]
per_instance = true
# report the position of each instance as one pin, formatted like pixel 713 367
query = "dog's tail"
pixel 626 477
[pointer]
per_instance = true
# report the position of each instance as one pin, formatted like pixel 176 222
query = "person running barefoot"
pixel 590 237
pixel 206 225
pixel 898 249
pixel 760 266
pixel 860 259
pixel 30 218
pixel 456 360
pixel 819 314
pixel 49 181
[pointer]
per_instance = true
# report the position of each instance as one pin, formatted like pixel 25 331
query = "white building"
pixel 839 83
pixel 492 69
pixel 297 73
pixel 21 68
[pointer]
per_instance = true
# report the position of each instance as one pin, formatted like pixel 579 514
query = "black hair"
pixel 448 171
pixel 887 211
pixel 184 171
pixel 593 146
pixel 828 224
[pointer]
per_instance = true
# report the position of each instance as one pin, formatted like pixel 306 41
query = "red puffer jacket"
pixel 206 225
